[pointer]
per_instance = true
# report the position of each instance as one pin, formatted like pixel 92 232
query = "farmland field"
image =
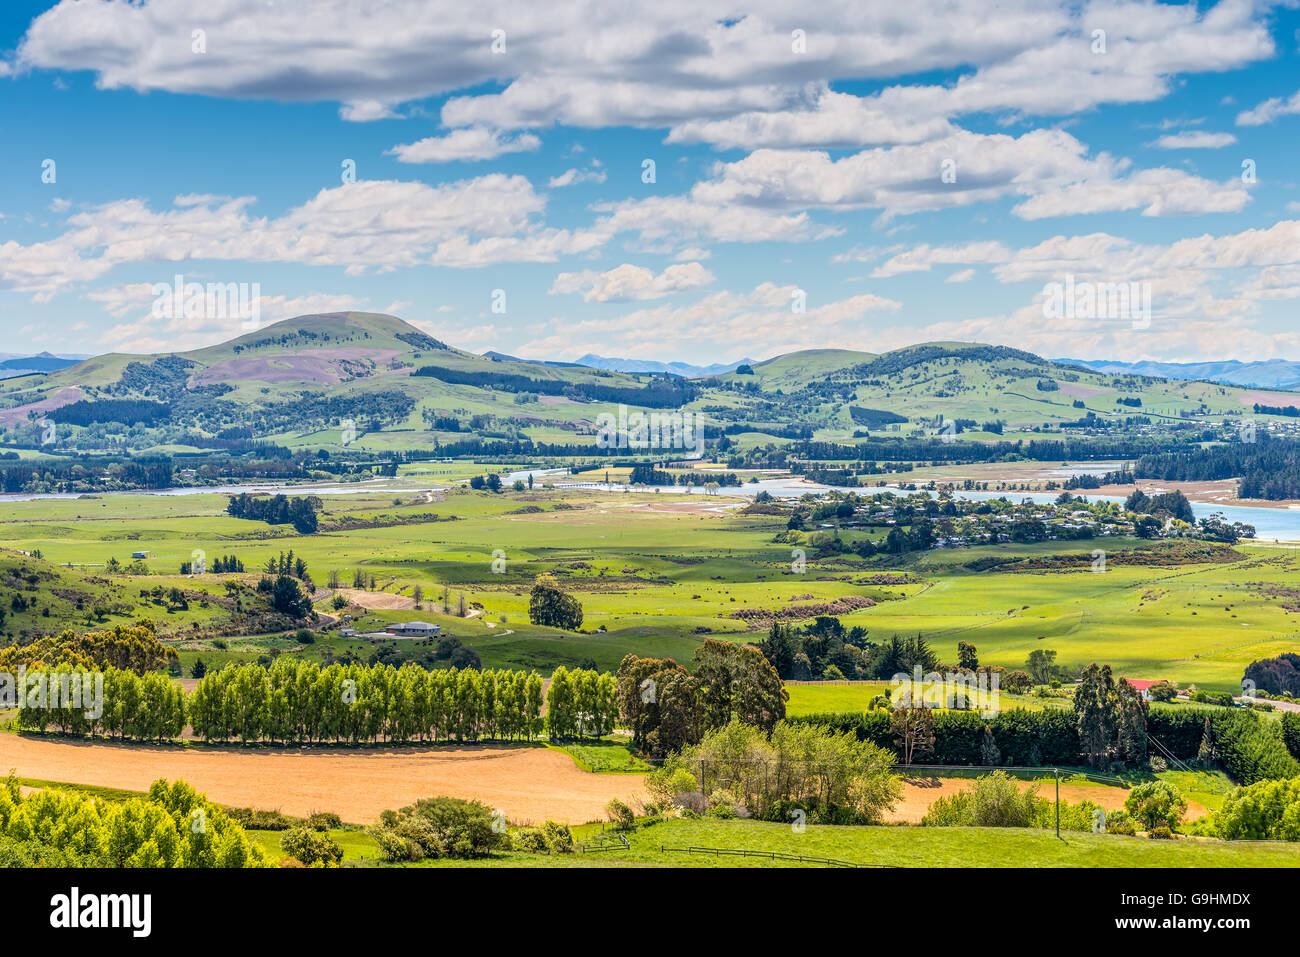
pixel 654 573
pixel 665 844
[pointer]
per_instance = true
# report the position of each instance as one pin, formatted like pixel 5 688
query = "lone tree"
pixel 548 605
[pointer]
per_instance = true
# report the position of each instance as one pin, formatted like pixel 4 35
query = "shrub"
pixel 438 827
pixel 1158 764
pixel 311 848
pixel 1291 733
pixel 1156 804
pixel 324 821
pixel 531 840
pixel 558 837
pixel 1120 822
pixel 1266 810
pixel 668 784
pixel 996 801
pixel 1250 748
pixel 1223 698
pixel 1160 833
pixel 620 815
pixel 1163 691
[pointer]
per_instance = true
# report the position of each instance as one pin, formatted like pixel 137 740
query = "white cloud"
pixel 1049 167
pixel 962 275
pixel 761 319
pixel 464 145
pixel 1269 110
pixel 362 226
pixel 922 257
pixel 628 282
pixel 689 66
pixel 1195 140
pixel 571 176
pixel 1206 292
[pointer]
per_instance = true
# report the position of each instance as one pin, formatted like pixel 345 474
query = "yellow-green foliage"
pixel 1269 810
pixel 130 647
pixel 174 826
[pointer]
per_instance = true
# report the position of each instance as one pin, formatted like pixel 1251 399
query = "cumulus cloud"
pixel 628 282
pixel 1050 167
pixel 465 145
pixel 692 67
pixel 363 226
pixel 1195 140
pixel 762 318
pixel 1269 110
pixel 571 176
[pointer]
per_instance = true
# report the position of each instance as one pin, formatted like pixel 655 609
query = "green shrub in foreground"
pixel 1156 804
pixel 438 827
pixel 1267 810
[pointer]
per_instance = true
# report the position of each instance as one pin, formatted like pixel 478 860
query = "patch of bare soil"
pixel 377 600
pixel 529 784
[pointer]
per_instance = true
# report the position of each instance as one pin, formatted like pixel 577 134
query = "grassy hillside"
pixel 298 382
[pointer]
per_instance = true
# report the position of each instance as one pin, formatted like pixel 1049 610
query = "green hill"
pixel 305 382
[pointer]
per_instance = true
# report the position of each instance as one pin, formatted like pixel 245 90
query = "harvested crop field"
pixel 529 784
pixel 919 793
pixel 377 600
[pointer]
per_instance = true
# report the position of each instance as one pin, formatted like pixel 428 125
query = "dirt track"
pixel 529 784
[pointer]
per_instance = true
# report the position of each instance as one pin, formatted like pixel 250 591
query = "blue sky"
pixel 798 158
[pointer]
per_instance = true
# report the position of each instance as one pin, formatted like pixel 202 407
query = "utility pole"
pixel 1058 802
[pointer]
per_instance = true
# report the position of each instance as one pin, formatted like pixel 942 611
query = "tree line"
pixel 298 702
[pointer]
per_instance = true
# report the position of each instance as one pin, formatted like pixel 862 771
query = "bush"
pixel 668 785
pixel 1250 748
pixel 620 815
pixel 1156 804
pixel 1120 822
pixel 1160 833
pixel 994 801
pixel 324 821
pixel 1163 691
pixel 558 837
pixel 1158 764
pixel 531 840
pixel 1267 810
pixel 1291 733
pixel 1223 698
pixel 311 848
pixel 438 827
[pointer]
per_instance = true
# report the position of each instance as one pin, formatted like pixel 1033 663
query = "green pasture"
pixel 655 572
pixel 664 844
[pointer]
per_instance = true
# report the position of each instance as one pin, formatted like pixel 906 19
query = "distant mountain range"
pixel 1267 374
pixel 592 361
pixel 15 365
